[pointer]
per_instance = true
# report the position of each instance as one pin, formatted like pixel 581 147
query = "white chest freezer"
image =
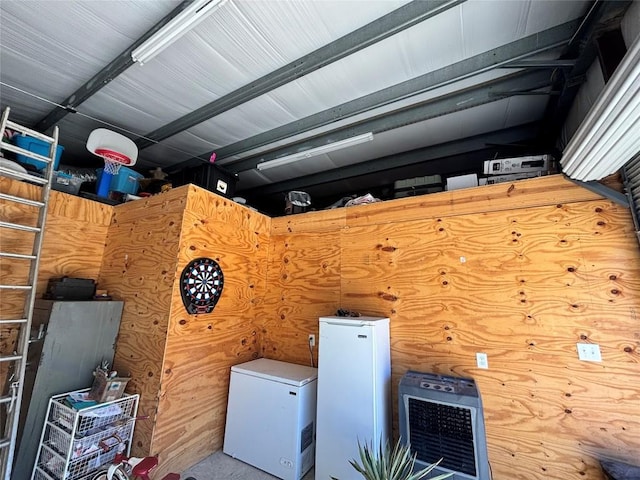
pixel 271 417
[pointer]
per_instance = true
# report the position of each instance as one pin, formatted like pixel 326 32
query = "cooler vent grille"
pixel 442 431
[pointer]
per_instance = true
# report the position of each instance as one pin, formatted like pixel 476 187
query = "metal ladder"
pixel 11 401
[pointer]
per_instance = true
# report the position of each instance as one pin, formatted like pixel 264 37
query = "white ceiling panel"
pixel 546 14
pixel 490 23
pixel 466 123
pixel 239 43
pixel 380 66
pixel 51 48
pixel 176 149
pixel 242 121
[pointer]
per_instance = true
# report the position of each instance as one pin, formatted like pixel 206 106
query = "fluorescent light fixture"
pixel 329 147
pixel 189 18
pixel 608 136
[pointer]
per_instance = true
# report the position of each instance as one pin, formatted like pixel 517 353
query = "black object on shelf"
pixel 67 288
pixel 96 198
pixel 213 177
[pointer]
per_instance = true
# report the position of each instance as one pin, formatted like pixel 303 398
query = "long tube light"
pixel 608 136
pixel 182 23
pixel 329 147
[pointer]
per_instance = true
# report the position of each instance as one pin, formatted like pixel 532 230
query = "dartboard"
pixel 201 284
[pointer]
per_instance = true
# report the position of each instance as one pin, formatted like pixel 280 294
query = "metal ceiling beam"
pixel 607 192
pixel 104 76
pixel 541 64
pixel 445 150
pixel 446 104
pixel 394 22
pixel 513 93
pixel 497 57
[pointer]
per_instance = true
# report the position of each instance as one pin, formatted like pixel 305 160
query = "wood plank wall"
pixel 304 269
pixel 139 267
pixel 202 348
pixel 521 272
pixel 180 363
pixel 73 245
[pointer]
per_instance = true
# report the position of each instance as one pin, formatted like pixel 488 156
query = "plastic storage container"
pixel 214 178
pixel 126 181
pixel 63 182
pixel 36 146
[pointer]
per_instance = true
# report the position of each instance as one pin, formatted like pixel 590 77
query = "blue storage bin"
pixel 36 146
pixel 126 181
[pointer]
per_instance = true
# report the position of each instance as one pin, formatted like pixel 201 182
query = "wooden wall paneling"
pixel 550 190
pixel 533 282
pixel 537 462
pixel 527 392
pixel 303 280
pixel 139 267
pixel 202 348
pixel 73 244
pixel 74 238
pixel 304 284
pixel 522 279
pixel 320 221
pixel 139 354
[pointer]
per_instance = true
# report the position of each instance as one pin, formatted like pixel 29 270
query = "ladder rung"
pixel 28 131
pixel 10 358
pixel 17 226
pixel 24 201
pixel 17 256
pixel 7 172
pixel 16 287
pixel 10 321
pixel 5 442
pixel 5 399
pixel 26 153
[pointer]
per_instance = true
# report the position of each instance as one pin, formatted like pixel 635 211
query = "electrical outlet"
pixel 312 340
pixel 482 360
pixel 589 352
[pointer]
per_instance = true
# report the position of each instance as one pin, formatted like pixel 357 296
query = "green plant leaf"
pixel 385 463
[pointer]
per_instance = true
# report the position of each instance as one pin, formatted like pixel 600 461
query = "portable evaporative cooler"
pixel 441 417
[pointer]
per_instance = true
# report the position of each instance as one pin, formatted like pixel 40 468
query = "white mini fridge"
pixel 271 417
pixel 354 392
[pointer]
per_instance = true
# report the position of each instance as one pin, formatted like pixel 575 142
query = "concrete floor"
pixel 220 466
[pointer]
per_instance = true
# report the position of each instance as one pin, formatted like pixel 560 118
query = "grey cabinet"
pixel 69 339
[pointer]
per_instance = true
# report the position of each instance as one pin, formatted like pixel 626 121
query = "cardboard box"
pixel 108 389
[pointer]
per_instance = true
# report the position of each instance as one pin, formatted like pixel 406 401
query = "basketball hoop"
pixel 116 150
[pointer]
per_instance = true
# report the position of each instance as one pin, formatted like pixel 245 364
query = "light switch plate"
pixel 589 352
pixel 482 360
